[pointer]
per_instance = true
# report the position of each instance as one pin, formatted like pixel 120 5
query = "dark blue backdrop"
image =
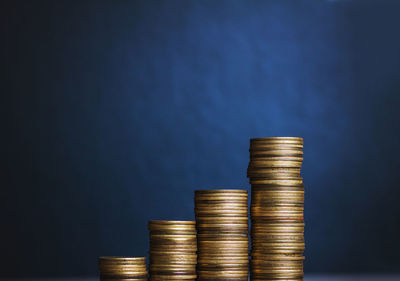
pixel 118 110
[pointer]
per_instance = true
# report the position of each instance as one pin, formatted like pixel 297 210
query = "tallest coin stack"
pixel 277 204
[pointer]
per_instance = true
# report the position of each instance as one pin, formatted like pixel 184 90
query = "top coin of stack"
pixel 277 206
pixel 173 247
pixel 222 234
pixel 122 268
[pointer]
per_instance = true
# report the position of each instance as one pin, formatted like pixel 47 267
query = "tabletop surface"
pixel 307 278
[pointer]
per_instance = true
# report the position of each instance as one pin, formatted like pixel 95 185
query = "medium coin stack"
pixel 173 247
pixel 277 204
pixel 222 234
pixel 122 268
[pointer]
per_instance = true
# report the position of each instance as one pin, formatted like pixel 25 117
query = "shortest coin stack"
pixel 122 268
pixel 222 234
pixel 173 247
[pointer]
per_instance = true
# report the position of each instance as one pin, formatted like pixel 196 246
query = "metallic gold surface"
pixel 173 246
pixel 222 234
pixel 126 268
pixel 277 207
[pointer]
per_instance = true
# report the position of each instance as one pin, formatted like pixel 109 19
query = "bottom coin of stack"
pixel 173 247
pixel 122 268
pixel 222 234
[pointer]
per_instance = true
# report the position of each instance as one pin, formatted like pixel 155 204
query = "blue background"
pixel 118 110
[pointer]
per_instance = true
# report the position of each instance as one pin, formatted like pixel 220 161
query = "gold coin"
pixel 277 243
pixel 221 196
pixel 223 261
pixel 222 266
pixel 223 191
pixel 279 223
pixel 276 150
pixel 277 217
pixel 213 197
pixel 276 275
pixel 222 274
pixel 279 181
pixel 175 256
pixel 122 260
pixel 174 241
pixel 268 170
pixel 172 222
pixel 180 241
pixel 121 266
pixel 172 250
pixel 268 147
pixel 276 251
pixel 172 227
pixel 256 160
pixel 173 236
pixel 224 231
pixel 277 140
pixel 124 279
pixel 177 276
pixel 220 203
pixel 277 238
pixel 223 252
pixel 172 267
pixel 125 274
pixel 172 253
pixel 224 239
pixel 189 279
pixel 227 209
pixel 228 244
pixel 172 261
pixel 278 193
pixel 283 263
pixel 275 257
pixel 296 139
pixel 255 213
pixel 240 228
pixel 225 279
pixel 260 175
pixel 278 196
pixel 276 268
pixel 222 212
pixel 276 229
pixel 275 163
pixel 276 202
pixel 218 220
pixel 278 207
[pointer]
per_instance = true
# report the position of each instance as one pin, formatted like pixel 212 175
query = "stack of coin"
pixel 122 268
pixel 173 247
pixel 222 234
pixel 277 204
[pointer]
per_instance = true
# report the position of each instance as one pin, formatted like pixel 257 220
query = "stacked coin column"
pixel 222 234
pixel 277 204
pixel 122 268
pixel 173 247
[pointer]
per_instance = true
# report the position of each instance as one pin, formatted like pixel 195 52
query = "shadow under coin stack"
pixel 222 234
pixel 277 204
pixel 122 268
pixel 173 247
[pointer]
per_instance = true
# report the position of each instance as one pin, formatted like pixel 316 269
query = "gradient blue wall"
pixel 119 110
